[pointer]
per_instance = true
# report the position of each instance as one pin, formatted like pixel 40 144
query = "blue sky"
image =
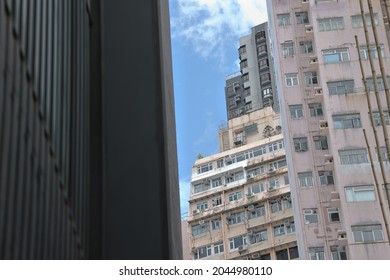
pixel 205 39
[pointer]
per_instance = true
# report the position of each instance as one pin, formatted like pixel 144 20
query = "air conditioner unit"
pixel 271 170
pixel 195 212
pixel 250 176
pixel 228 214
pixel 256 256
pixel 250 232
pixel 242 248
pixel 251 208
pixel 286 222
pixel 201 222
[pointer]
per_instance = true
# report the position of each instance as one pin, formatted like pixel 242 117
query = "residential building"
pixel 323 106
pixel 240 203
pixel 86 172
pixel 253 87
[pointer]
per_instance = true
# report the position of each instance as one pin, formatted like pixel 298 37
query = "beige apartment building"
pixel 240 202
pixel 337 207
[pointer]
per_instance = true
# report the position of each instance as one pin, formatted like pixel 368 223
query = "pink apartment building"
pixel 324 109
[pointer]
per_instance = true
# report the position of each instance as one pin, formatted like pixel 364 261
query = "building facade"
pixel 240 203
pixel 337 206
pixel 253 87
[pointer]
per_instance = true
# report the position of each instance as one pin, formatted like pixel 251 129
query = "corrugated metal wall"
pixel 44 109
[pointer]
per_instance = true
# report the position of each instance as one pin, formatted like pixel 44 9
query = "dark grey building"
pixel 88 164
pixel 252 88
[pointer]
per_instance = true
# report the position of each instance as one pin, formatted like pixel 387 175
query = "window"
pixel 311 216
pixel 236 218
pixel 235 177
pixel 243 64
pixel 357 21
pixel 199 229
pixel 242 50
pixel 202 206
pixel 326 178
pixel 353 156
pixel 290 228
pixel 216 182
pixel 276 206
pixel 329 24
pixel 202 252
pixel 261 49
pixel 360 193
pixel 282 255
pixel 315 109
pixel 247 91
pixel 235 196
pixel 216 201
pixel 220 163
pixel 377 118
pixel 316 253
pixel 336 55
pixel 201 187
pixel 257 188
pixel 288 49
pixel 333 215
pixel 283 19
pixel 367 233
pixel 259 211
pixel 292 79
pixel 364 51
pixel 256 171
pixel 287 203
pixel 347 121
pixel 216 224
pixel 296 111
pixel 265 257
pixel 263 63
pixel 320 142
pixel 234 243
pixel 264 78
pixel 279 230
pixel 311 78
pixel 300 144
pixel 204 168
pixel 286 180
pixel 293 252
pixel 267 92
pixel 370 83
pixel 245 77
pixel 273 183
pixel 338 253
pixel 305 179
pixel 341 87
pixel 218 248
pixel 383 153
pixel 306 47
pixel 302 18
pixel 258 236
pixel 277 164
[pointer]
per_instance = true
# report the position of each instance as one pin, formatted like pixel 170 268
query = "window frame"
pixel 310 216
pixel 336 55
pixel 363 193
pixel 291 79
pixel 296 111
pixel 330 24
pixel 347 157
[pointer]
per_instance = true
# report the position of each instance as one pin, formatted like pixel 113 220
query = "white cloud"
pixel 184 197
pixel 206 25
